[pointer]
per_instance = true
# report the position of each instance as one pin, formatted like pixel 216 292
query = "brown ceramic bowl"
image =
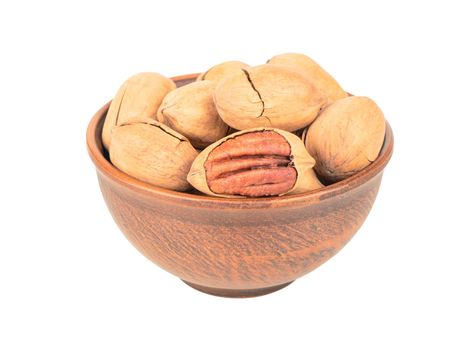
pixel 235 247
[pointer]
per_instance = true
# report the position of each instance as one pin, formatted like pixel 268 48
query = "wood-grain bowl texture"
pixel 236 247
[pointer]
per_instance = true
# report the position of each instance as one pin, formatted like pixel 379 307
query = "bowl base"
pixel 237 293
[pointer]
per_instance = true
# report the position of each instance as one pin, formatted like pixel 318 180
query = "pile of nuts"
pixel 238 131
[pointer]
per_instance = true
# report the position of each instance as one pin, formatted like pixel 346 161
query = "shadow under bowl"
pixel 235 247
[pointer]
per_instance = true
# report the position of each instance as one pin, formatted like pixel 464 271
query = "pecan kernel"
pixel 254 165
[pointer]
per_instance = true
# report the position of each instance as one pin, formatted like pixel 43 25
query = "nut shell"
pixel 152 152
pixel 219 71
pixel 253 165
pixel 138 97
pixel 190 111
pixel 312 70
pixel 346 137
pixel 268 96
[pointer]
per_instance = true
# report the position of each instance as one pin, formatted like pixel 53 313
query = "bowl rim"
pixel 95 150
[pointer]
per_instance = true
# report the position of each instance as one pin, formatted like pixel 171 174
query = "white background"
pixel 70 280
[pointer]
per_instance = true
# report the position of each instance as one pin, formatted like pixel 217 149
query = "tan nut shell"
pixel 219 71
pixel 138 97
pixel 190 111
pixel 268 96
pixel 152 152
pixel 303 164
pixel 312 70
pixel 346 137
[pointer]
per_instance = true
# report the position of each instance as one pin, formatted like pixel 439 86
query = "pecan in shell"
pixel 254 163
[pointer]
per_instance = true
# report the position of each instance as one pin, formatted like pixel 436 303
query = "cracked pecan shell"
pixel 254 163
pixel 312 70
pixel 346 137
pixel 268 96
pixel 138 97
pixel 152 152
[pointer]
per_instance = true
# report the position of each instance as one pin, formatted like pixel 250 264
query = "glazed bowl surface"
pixel 235 247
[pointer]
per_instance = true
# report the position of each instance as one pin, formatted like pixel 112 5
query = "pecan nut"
pixel 268 96
pixel 190 111
pixel 254 163
pixel 152 152
pixel 323 81
pixel 138 97
pixel 219 71
pixel 346 137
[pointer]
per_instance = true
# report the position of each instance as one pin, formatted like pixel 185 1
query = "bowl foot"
pixel 237 293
